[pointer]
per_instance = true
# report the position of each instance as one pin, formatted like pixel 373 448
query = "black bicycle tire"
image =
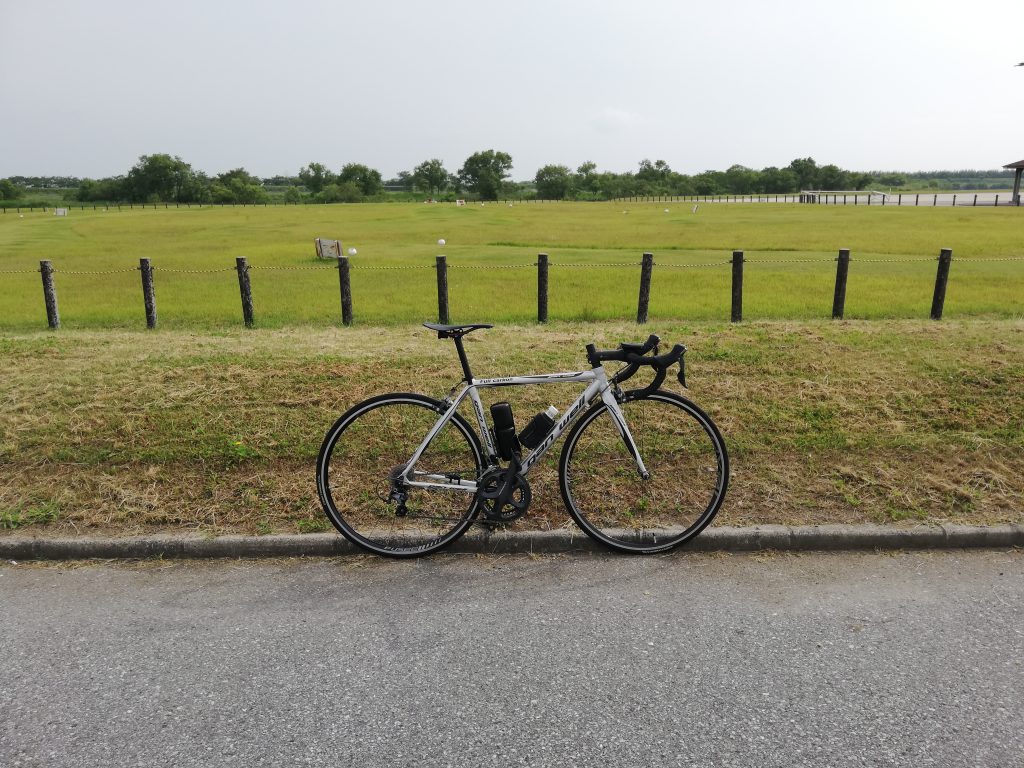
pixel 693 530
pixel 323 466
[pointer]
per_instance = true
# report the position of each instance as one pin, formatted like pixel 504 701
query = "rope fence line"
pixel 194 271
pixel 542 265
pixel 285 267
pixel 94 272
pixel 404 266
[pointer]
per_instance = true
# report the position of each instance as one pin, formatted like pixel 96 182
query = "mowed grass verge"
pixel 789 275
pixel 897 422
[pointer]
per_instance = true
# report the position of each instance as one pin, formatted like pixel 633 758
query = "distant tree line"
pixel 484 176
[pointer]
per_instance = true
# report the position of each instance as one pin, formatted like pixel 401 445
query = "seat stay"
pixel 444 481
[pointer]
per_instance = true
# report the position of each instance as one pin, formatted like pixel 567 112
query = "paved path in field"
pixel 691 659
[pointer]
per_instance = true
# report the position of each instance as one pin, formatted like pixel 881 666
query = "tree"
pixel 102 190
pixel 404 180
pixel 237 186
pixel 315 177
pixel 342 192
pixel 586 180
pixel 484 173
pixel 778 180
pixel 368 181
pixel 161 178
pixel 891 179
pixel 806 172
pixel 9 190
pixel 553 182
pixel 740 180
pixel 833 177
pixel 430 176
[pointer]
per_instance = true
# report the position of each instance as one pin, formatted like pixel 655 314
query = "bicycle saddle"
pixel 454 331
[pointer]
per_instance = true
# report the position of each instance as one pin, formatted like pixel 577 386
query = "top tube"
pixel 538 378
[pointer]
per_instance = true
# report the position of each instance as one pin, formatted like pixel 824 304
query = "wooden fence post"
pixel 839 298
pixel 442 290
pixel 148 294
pixel 245 289
pixel 346 290
pixel 737 287
pixel 646 267
pixel 542 287
pixel 941 278
pixel 49 294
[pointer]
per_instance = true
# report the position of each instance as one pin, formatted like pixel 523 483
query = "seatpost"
pixel 463 359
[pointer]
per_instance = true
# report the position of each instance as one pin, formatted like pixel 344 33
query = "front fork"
pixel 611 396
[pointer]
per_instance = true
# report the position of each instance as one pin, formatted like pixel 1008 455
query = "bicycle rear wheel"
pixel 365 453
pixel 684 454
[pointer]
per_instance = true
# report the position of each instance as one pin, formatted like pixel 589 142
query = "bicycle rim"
pixel 368 447
pixel 681 449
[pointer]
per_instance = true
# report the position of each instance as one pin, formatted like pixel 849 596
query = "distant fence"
pixel 543 266
pixel 898 199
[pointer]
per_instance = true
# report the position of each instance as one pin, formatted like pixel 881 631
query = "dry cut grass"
pixel 898 422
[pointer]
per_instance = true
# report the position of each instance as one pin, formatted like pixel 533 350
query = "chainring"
pixel 489 488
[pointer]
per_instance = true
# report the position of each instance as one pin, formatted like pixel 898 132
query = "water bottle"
pixel 540 426
pixel 504 430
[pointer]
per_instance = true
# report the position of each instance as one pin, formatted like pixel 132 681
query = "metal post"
pixel 148 294
pixel 442 290
pixel 49 294
pixel 245 289
pixel 542 287
pixel 839 298
pixel 646 266
pixel 941 278
pixel 737 287
pixel 346 290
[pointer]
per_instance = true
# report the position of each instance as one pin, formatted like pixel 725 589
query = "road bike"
pixel 641 470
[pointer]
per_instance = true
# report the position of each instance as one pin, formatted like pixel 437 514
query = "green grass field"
pixel 496 235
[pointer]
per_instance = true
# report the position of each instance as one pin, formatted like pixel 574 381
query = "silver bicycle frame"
pixel 597 386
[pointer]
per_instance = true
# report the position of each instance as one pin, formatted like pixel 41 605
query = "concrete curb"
pixel 715 539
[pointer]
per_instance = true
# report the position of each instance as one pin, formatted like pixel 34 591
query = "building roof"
pixel 1018 164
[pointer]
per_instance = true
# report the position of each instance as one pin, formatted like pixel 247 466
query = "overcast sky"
pixel 87 87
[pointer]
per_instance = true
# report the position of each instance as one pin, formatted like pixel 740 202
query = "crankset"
pixel 494 485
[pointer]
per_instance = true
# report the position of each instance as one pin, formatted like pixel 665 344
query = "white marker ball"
pixel 352 251
pixel 666 210
pixel 442 242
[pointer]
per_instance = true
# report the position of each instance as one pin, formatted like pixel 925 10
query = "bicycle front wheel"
pixel 684 455
pixel 363 459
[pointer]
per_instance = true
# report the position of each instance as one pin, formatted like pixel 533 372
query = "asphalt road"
pixel 697 660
